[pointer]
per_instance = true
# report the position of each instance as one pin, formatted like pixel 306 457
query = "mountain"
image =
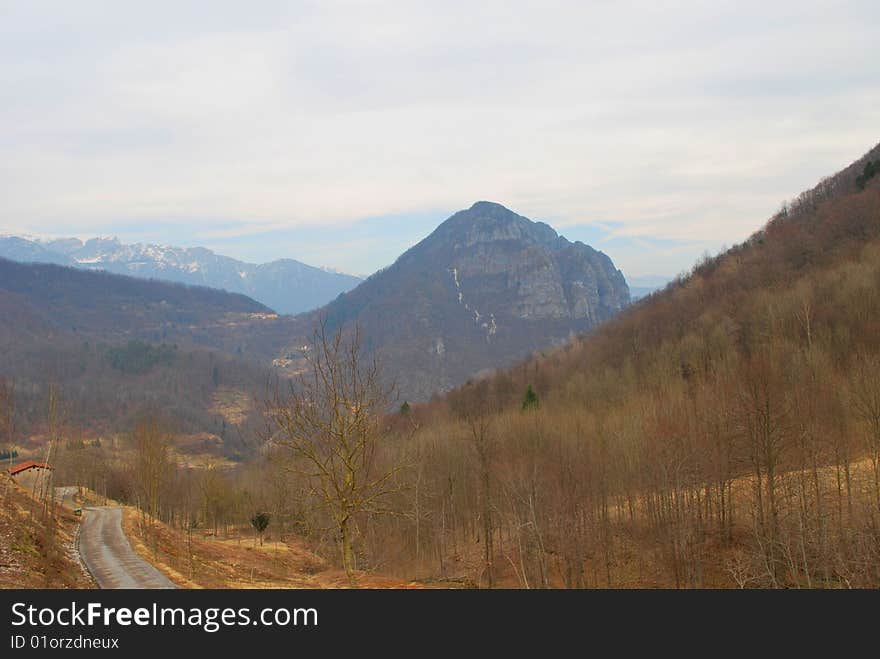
pixel 25 250
pixel 285 285
pixel 486 288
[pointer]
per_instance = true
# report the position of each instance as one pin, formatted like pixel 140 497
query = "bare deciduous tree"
pixel 867 406
pixel 330 420
pixel 476 407
pixel 152 462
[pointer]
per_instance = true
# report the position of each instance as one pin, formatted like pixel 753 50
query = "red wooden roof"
pixel 27 464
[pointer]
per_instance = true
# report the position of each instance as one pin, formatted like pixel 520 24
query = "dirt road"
pixel 109 556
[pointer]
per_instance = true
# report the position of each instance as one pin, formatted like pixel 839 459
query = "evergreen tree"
pixel 530 400
pixel 260 521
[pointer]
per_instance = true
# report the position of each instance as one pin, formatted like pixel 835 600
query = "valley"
pixel 489 411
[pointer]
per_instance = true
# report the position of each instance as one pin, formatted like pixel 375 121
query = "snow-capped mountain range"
pixel 285 285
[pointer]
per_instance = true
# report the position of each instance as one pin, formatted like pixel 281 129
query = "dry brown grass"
pixel 233 405
pixel 37 552
pixel 208 562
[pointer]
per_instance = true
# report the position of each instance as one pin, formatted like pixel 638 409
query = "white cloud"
pixel 687 121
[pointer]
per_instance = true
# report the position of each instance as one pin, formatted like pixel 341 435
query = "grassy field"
pixel 205 561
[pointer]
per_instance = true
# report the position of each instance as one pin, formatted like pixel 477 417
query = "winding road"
pixel 106 551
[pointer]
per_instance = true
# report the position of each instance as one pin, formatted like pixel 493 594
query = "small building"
pixel 27 465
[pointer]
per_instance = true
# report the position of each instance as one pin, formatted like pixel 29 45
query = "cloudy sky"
pixel 341 133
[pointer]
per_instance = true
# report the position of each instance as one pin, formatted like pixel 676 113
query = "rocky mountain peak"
pixel 102 242
pixel 507 265
pixel 487 221
pixel 487 287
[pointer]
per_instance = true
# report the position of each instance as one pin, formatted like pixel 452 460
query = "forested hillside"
pixel 112 347
pixel 723 432
pixel 103 304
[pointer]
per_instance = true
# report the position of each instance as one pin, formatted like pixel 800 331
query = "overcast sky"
pixel 340 133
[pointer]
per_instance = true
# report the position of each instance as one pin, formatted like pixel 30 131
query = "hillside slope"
pixel 37 550
pixel 100 306
pixel 115 346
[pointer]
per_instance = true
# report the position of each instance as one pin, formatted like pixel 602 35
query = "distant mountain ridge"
pixel 286 285
pixel 642 286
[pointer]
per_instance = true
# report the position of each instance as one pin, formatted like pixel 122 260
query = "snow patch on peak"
pixel 490 326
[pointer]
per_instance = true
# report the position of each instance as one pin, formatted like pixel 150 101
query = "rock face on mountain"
pixel 486 288
pixel 286 285
pixel 522 269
